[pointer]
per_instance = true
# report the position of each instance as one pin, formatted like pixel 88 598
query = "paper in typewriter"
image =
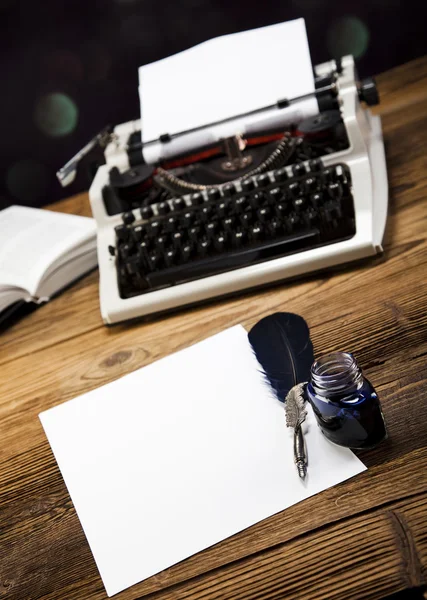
pixel 180 455
pixel 227 76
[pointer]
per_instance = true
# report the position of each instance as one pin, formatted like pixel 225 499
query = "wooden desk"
pixel 365 538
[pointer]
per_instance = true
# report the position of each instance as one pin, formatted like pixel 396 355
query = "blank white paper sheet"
pixel 180 455
pixel 224 77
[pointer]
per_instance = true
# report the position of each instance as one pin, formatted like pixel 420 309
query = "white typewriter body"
pixel 364 157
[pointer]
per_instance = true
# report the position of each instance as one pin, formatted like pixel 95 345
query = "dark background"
pixel 68 67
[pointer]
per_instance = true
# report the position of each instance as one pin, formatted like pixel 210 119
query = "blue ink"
pixel 345 403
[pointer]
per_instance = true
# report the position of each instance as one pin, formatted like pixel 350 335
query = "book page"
pixel 182 454
pixel 226 77
pixel 32 239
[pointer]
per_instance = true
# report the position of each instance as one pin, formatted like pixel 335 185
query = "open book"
pixel 41 252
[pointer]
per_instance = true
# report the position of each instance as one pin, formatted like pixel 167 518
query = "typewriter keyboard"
pixel 215 230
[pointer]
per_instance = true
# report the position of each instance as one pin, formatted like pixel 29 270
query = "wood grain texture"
pixel 364 538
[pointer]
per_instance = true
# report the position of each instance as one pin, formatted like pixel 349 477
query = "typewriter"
pixel 245 212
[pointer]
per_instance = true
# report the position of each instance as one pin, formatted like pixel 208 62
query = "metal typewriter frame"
pixel 365 158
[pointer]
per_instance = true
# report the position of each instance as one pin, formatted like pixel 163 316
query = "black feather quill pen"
pixel 283 347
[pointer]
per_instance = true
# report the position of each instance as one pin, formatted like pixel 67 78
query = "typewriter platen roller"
pixel 243 212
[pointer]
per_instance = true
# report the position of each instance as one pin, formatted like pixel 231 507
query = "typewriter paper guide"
pixel 225 77
pixel 180 455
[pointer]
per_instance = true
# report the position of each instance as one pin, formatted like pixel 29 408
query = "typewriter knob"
pixel 368 91
pixel 128 218
pixel 111 250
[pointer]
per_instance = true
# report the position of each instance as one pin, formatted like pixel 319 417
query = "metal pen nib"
pixel 300 455
pixel 295 416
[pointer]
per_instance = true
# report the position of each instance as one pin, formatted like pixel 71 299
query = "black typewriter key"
pixel 316 199
pixel 177 239
pixel 315 165
pixel 163 208
pixel 206 213
pixel 275 195
pixel 145 245
pixel 125 251
pixel 298 170
pixel 223 209
pixel 228 224
pixel 186 252
pixel 263 180
pixel 238 238
pixel 241 204
pixel 161 243
pixel 310 217
pixel 212 228
pixel 291 223
pixel 203 246
pixel 335 191
pixel 264 214
pixel 214 194
pixel 299 204
pixel 197 199
pixel 155 260
pixel 336 210
pixel 256 200
pixel 154 228
pixel 229 189
pixel 246 218
pixel 146 212
pixel 329 175
pixel 248 185
pixel 281 174
pixel 310 185
pixel 132 267
pixel 281 210
pixel 187 219
pixel 122 232
pixel 128 218
pixel 170 224
pixel 179 204
pixel 220 243
pixel 294 189
pixel 255 233
pixel 194 233
pixel 170 257
pixel 275 226
pixel 138 233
